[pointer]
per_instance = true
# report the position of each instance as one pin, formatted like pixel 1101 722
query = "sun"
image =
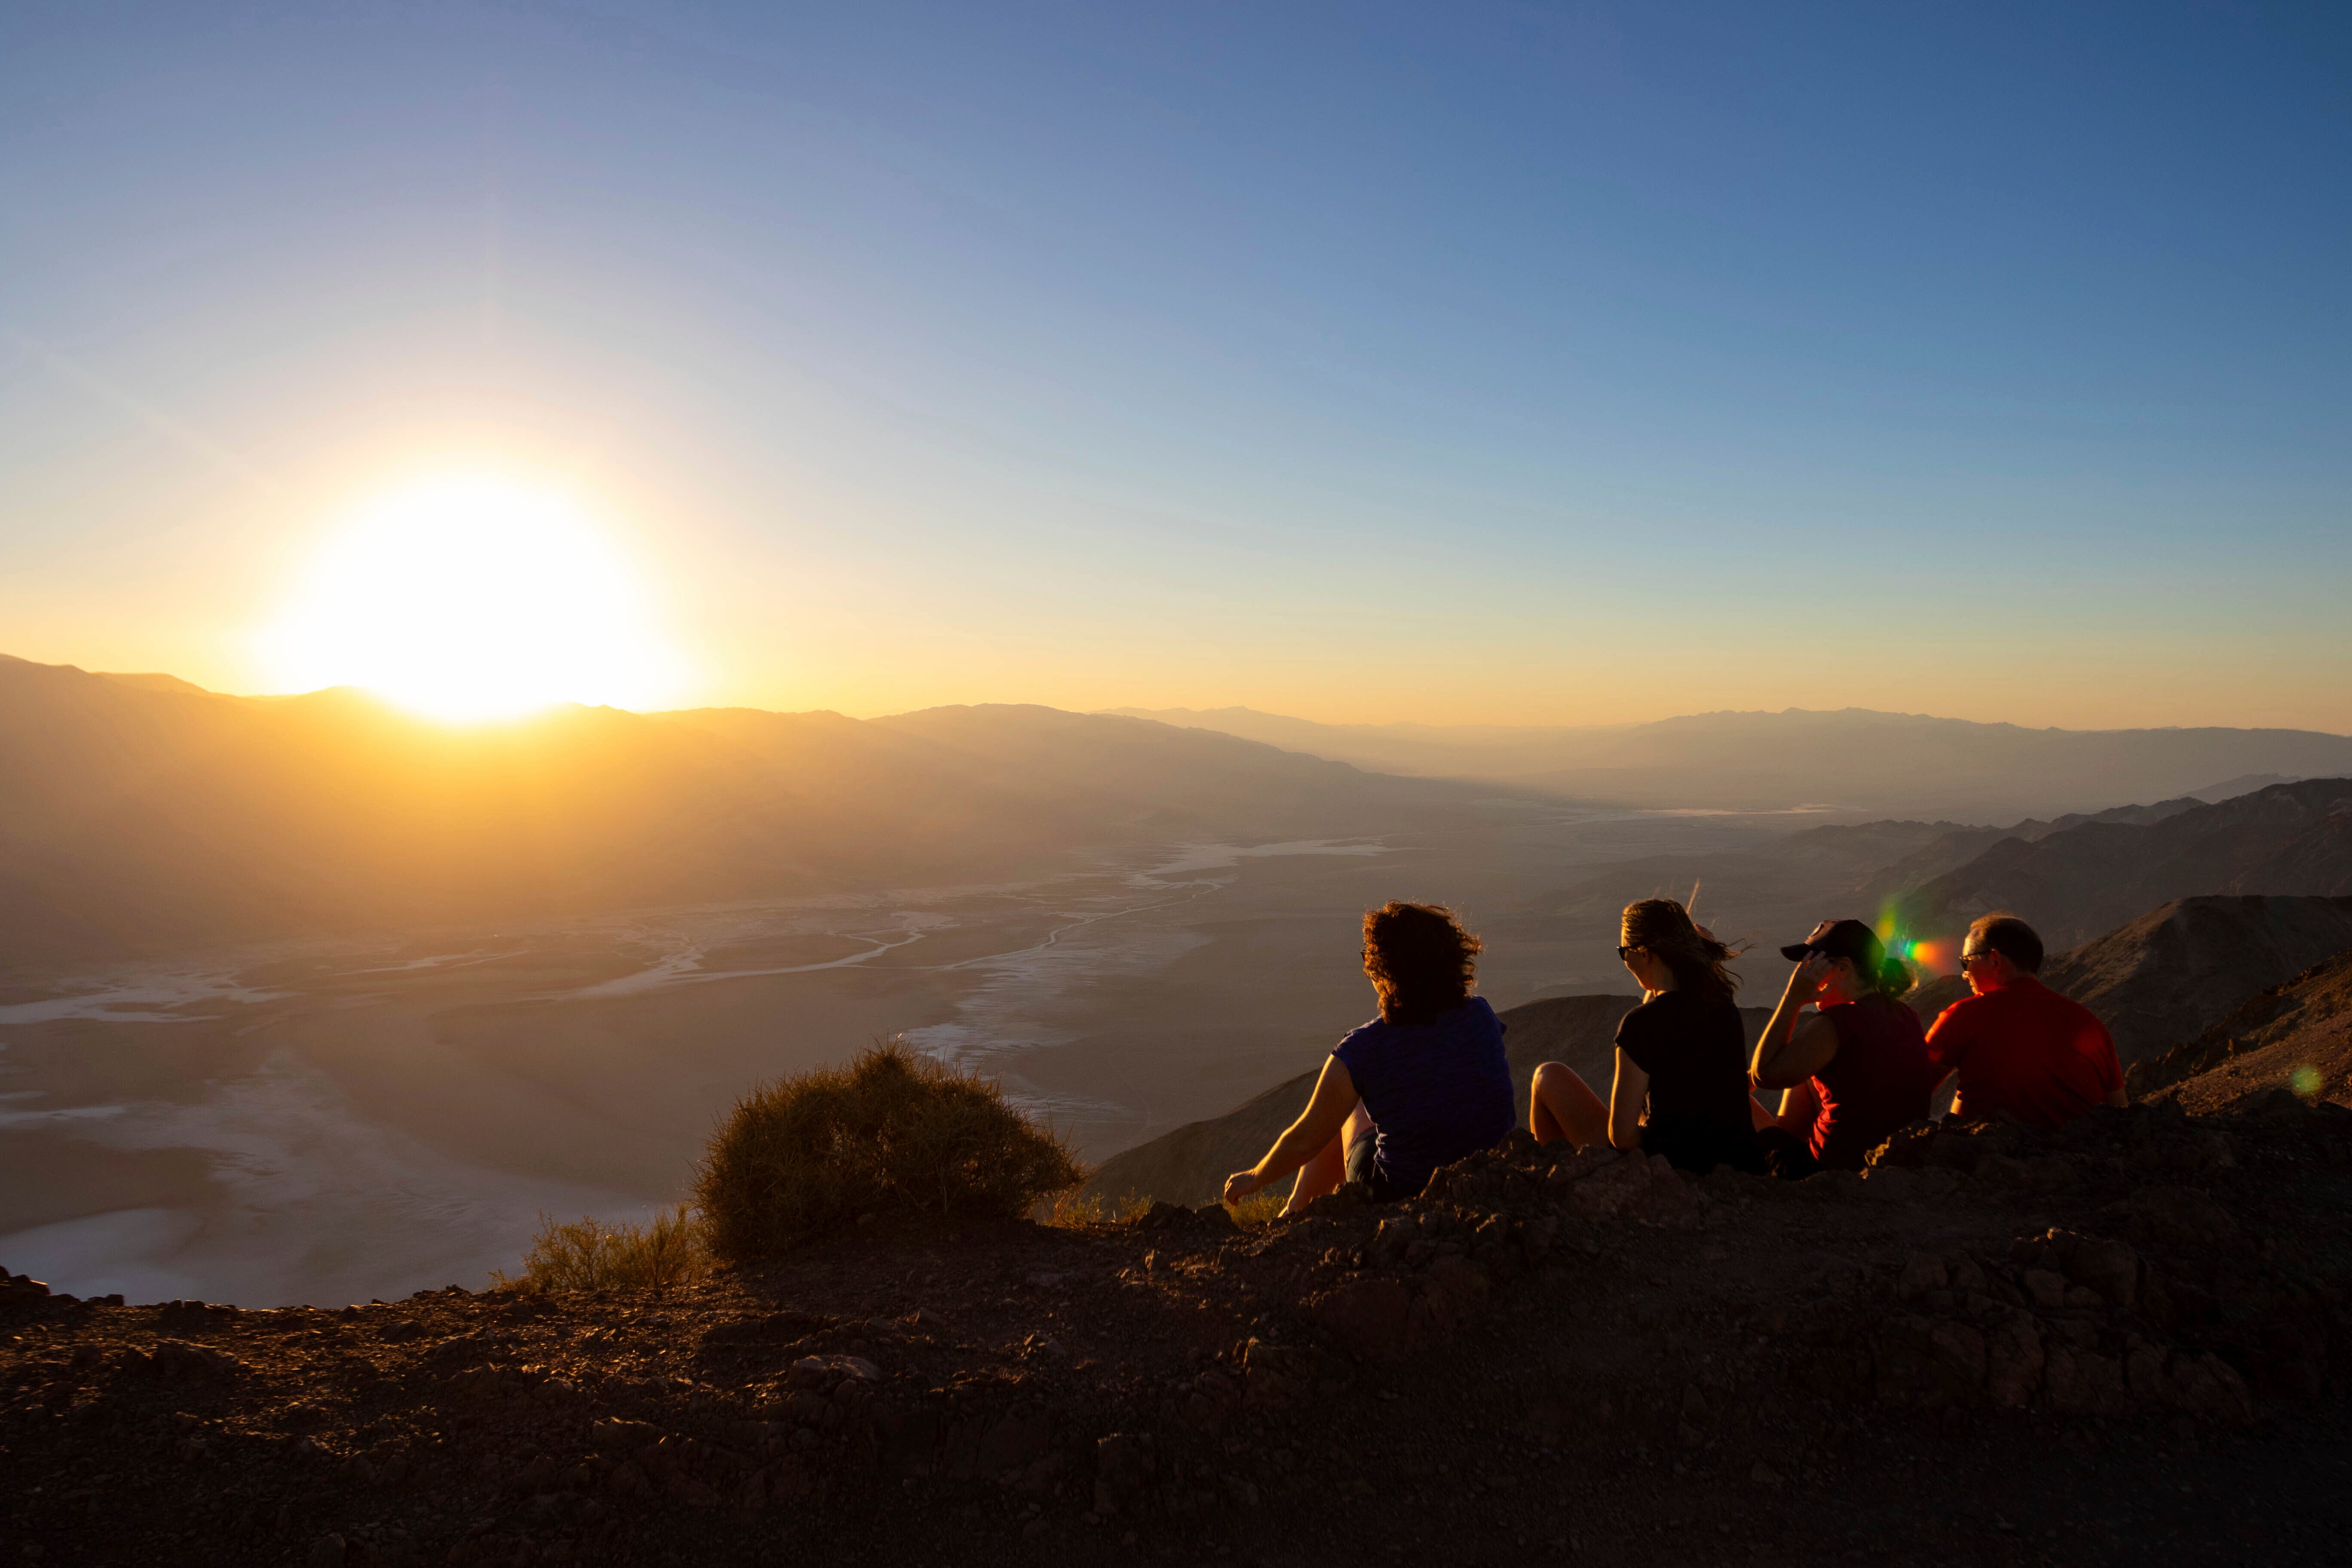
pixel 469 596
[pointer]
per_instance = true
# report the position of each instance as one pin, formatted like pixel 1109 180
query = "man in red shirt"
pixel 2018 1046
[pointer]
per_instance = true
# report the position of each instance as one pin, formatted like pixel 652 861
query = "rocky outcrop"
pixel 1537 1316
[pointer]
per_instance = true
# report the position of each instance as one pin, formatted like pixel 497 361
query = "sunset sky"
pixel 1506 363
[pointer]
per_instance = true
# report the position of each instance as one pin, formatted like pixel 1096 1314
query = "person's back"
pixel 2027 1051
pixel 1435 1091
pixel 1880 1079
pixel 1694 1050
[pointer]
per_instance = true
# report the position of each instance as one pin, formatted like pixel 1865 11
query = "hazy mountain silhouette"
pixel 140 813
pixel 2082 880
pixel 1853 758
pixel 1776 891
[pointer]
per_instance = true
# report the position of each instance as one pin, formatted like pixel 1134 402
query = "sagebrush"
pixel 893 1131
pixel 589 1254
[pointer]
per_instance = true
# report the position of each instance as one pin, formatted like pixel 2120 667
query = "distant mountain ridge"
pixel 2080 881
pixel 1776 891
pixel 138 815
pixel 1855 759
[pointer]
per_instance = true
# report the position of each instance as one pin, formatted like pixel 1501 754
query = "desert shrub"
pixel 589 1254
pixel 892 1131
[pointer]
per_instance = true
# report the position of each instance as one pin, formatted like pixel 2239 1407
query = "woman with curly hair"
pixel 1419 1086
pixel 1681 1086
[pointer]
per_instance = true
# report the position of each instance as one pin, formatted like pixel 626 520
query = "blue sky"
pixel 1504 362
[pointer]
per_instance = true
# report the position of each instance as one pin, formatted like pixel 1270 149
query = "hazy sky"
pixel 1506 363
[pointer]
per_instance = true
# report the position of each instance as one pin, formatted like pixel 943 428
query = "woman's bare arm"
pixel 1627 1094
pixel 1326 1114
pixel 1787 1052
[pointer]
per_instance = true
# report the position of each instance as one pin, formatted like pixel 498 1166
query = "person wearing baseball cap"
pixel 1852 1072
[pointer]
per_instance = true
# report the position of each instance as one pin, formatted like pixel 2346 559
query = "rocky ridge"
pixel 2126 1340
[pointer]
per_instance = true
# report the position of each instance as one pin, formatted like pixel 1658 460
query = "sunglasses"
pixel 1623 953
pixel 1969 958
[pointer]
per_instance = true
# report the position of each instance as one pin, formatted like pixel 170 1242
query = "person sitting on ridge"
pixel 1852 1073
pixel 2018 1047
pixel 1419 1086
pixel 1682 1054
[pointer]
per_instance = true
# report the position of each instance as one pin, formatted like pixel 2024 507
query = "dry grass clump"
pixel 588 1254
pixel 893 1131
pixel 1260 1207
pixel 1074 1210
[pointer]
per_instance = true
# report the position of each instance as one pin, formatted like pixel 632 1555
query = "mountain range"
pixel 2076 883
pixel 1852 759
pixel 140 814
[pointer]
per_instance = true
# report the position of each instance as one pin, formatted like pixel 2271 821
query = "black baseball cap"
pixel 1846 938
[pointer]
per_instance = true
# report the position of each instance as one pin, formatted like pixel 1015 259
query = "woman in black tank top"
pixel 1680 1084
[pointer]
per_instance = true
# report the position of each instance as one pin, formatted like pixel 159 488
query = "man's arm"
pixel 1326 1114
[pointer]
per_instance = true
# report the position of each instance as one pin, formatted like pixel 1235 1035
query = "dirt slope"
pixel 2126 1343
pixel 2295 1036
pixel 1190 1165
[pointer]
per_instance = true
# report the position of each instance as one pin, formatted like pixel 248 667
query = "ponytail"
pixel 1894 977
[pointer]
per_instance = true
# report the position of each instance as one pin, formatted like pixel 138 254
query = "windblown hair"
pixel 1662 928
pixel 2011 938
pixel 1421 959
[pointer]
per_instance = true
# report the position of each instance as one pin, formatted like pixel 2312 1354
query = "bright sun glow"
pixel 471 597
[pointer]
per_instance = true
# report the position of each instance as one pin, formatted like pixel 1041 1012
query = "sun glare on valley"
pixel 471 597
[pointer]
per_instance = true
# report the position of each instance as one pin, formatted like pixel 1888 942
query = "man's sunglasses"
pixel 1969 958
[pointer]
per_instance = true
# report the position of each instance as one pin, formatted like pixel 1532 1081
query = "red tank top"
pixel 1879 1079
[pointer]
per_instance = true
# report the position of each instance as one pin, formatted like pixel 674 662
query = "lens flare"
pixel 1936 955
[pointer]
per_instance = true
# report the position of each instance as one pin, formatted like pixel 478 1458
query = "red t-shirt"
pixel 2027 1050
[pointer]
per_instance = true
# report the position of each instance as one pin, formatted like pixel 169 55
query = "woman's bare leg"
pixel 1328 1168
pixel 1562 1105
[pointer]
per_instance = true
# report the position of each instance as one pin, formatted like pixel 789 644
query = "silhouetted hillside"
pixel 2076 883
pixel 1853 758
pixel 140 814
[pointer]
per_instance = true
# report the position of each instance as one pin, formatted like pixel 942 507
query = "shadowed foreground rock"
pixel 2127 1342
